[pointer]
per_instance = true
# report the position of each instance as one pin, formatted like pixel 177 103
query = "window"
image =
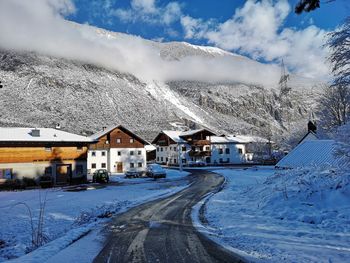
pixel 79 148
pixel 228 160
pixel 174 160
pixel 161 159
pixel 227 150
pixel 119 153
pixel 220 160
pixel 240 150
pixel 139 152
pixel 48 171
pixel 93 154
pixel 79 170
pixel 166 159
pixel 220 151
pixel 139 164
pixel 103 153
pixel 132 165
pixel 48 149
pixel 207 148
pixel 183 148
pixel 119 140
pixel 103 165
pixel 157 159
pixel 157 149
pixel 93 166
pixel 131 152
pixel 161 149
pixel 132 140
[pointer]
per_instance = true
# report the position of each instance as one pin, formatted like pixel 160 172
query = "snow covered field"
pixel 71 214
pixel 300 216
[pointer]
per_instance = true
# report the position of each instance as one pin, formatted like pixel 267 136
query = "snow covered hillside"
pixel 65 223
pixel 206 85
pixel 291 216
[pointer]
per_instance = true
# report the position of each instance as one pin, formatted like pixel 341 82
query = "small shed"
pixel 310 153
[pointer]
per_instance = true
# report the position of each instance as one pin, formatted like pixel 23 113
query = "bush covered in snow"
pixel 312 195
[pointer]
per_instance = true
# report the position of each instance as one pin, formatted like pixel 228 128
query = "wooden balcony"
pixel 200 142
pixel 193 153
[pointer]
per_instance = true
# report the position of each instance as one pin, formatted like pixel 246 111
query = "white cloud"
pixel 257 30
pixel 147 11
pixel 39 26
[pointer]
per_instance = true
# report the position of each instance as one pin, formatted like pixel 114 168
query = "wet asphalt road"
pixel 162 230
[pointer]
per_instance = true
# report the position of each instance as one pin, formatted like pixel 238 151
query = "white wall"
pixel 98 159
pixel 233 157
pixel 126 159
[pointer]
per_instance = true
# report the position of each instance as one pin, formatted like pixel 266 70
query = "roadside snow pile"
pixel 313 196
pixel 68 215
pixel 291 216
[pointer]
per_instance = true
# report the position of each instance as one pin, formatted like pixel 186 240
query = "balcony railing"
pixel 193 153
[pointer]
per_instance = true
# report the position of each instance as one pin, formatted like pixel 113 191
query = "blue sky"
pixel 97 13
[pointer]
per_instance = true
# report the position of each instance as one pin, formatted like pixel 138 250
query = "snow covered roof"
pixel 310 153
pixel 43 135
pixel 237 139
pixel 150 147
pixel 175 136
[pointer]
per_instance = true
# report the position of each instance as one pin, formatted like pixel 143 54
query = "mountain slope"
pixel 42 91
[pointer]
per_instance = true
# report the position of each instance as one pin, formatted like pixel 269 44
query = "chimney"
pixel 35 132
pixel 311 127
pixel 103 128
pixel 58 126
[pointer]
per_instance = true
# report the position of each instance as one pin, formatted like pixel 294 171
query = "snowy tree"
pixel 343 143
pixel 335 103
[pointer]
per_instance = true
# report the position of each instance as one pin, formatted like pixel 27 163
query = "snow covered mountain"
pixel 42 90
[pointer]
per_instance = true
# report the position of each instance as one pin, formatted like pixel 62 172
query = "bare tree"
pixel 335 102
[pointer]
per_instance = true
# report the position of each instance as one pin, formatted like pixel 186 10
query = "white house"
pixel 204 146
pixel 118 150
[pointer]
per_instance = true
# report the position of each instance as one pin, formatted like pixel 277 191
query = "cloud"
pixel 39 26
pixel 147 11
pixel 257 30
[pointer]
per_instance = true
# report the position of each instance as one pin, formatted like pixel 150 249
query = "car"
pixel 155 171
pixel 197 163
pixel 100 176
pixel 132 173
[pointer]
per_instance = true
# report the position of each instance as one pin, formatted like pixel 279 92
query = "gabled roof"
pixel 192 132
pixel 175 136
pixel 310 135
pixel 107 130
pixel 46 135
pixel 238 139
pixel 310 153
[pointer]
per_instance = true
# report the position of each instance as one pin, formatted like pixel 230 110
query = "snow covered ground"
pixel 299 216
pixel 71 214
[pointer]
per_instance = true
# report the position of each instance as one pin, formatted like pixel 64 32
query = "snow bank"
pixel 290 216
pixel 70 215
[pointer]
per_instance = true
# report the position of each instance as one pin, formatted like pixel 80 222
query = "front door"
pixel 119 167
pixel 63 173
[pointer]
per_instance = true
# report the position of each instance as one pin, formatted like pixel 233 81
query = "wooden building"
pixel 36 152
pixel 117 150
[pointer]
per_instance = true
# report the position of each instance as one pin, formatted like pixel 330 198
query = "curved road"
pixel 162 230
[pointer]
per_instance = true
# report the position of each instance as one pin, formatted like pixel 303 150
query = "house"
pixel 116 149
pixel 35 152
pixel 183 146
pixel 236 149
pixel 202 145
pixel 310 153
